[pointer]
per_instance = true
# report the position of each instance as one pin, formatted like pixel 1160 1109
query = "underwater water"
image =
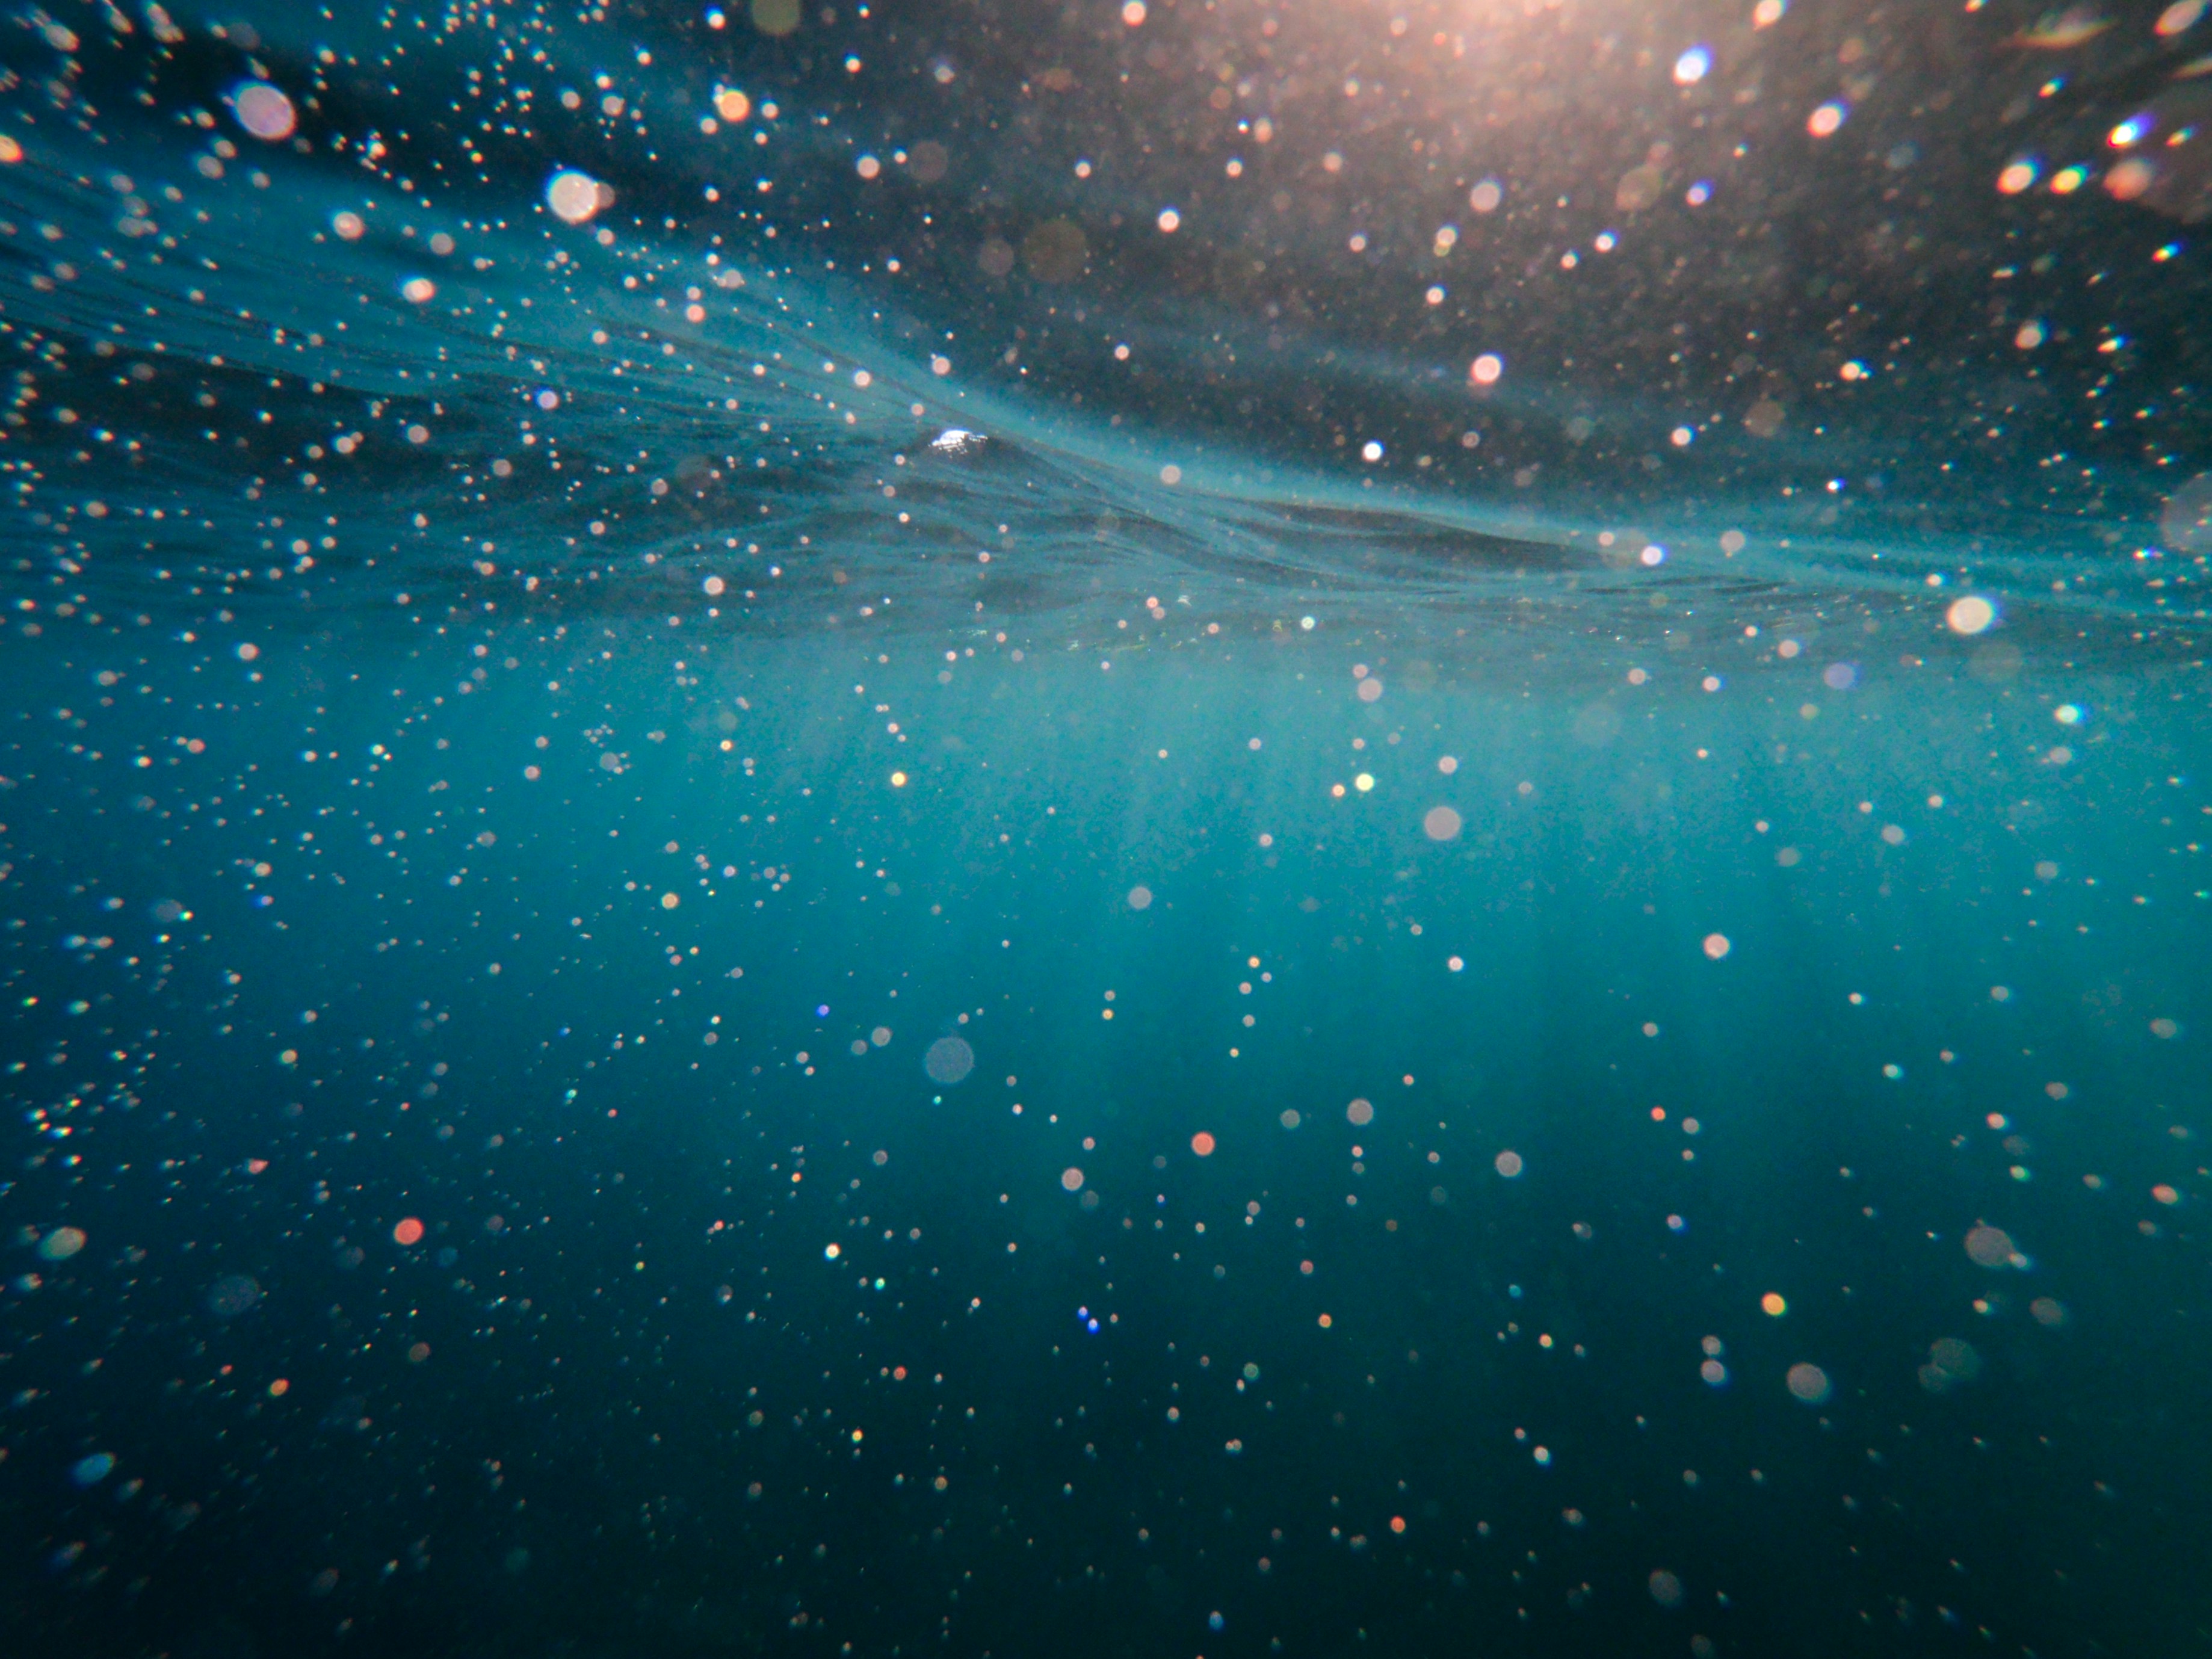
pixel 1190 829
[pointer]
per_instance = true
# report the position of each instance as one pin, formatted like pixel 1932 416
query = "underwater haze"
pixel 1173 829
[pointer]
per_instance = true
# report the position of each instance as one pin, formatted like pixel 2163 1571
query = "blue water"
pixel 868 907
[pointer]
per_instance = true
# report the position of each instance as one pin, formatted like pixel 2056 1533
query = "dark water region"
pixel 1128 828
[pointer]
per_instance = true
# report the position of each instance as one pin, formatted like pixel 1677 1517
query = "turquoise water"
pixel 1062 933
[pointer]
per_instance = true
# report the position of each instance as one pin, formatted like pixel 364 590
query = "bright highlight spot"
pixel 574 197
pixel 1971 614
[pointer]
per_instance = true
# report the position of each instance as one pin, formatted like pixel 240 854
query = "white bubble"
pixel 264 110
pixel 574 196
pixel 949 1059
pixel 1809 1383
pixel 1971 614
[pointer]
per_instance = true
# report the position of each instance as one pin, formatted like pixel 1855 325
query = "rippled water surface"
pixel 1175 829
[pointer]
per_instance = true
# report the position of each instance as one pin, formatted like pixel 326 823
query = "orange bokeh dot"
pixel 409 1231
pixel 279 1388
pixel 1202 1144
pixel 1397 1523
